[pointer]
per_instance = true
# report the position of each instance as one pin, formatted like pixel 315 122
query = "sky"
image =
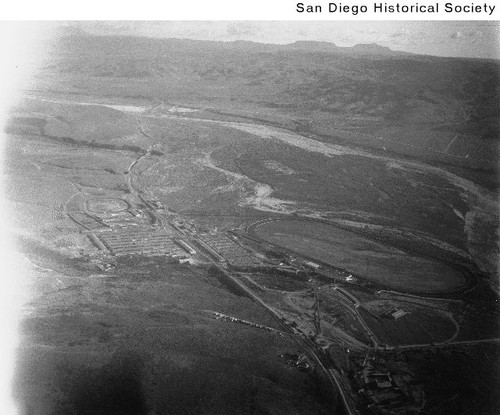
pixel 473 39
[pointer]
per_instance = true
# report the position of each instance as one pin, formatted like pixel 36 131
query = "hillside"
pixel 439 109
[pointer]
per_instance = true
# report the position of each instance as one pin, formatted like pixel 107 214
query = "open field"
pixel 422 325
pixel 245 169
pixel 373 261
pixel 279 281
pixel 334 316
pixel 104 205
pixel 457 380
pixel 80 123
pixel 233 168
pixel 148 343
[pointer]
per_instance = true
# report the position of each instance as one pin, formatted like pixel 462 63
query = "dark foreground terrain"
pixel 241 228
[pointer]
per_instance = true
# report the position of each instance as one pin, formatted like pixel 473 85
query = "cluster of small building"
pixel 298 360
pixel 391 392
pixel 225 317
pixel 143 229
pixel 223 248
pixel 312 265
pixel 147 241
pixel 395 313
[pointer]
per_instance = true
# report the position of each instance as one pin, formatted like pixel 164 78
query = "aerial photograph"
pixel 257 217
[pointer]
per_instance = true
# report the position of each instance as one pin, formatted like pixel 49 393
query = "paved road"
pixel 445 344
pixel 303 342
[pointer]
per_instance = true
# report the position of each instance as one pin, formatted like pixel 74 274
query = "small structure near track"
pixel 396 313
pixel 312 265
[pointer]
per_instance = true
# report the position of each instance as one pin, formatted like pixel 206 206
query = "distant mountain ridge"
pixel 367 49
pixel 300 45
pixel 384 97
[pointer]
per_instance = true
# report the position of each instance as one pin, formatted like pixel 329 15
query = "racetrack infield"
pixel 379 263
